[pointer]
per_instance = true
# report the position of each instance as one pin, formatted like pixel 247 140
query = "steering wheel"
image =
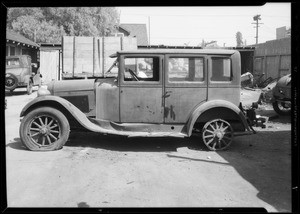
pixel 132 74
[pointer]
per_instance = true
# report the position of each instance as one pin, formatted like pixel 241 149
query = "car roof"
pixel 178 51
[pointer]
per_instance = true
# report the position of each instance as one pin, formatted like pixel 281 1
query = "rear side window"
pixel 186 69
pixel 221 69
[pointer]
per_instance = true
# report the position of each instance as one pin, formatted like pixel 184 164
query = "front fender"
pixel 213 104
pixel 50 100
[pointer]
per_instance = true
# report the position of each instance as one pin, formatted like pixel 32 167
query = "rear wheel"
pixel 10 82
pixel 217 134
pixel 44 129
pixel 282 108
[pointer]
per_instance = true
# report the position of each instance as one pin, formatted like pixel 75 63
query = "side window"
pixel 186 69
pixel 221 69
pixel 12 62
pixel 141 69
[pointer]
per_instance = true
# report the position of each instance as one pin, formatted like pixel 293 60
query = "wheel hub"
pixel 219 134
pixel 44 130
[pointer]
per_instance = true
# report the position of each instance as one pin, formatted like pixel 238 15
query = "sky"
pixel 191 25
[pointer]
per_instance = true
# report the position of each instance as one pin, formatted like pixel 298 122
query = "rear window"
pixel 221 69
pixel 186 69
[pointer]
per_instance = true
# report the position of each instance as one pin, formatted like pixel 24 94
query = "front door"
pixel 185 86
pixel 141 88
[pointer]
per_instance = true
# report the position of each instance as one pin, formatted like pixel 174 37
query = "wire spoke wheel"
pixel 217 134
pixel 44 129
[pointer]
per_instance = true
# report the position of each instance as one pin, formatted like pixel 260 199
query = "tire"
pixel 11 82
pixel 280 109
pixel 217 134
pixel 44 129
pixel 29 87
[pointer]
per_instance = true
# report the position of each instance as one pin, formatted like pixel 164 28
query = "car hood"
pixel 284 82
pixel 70 85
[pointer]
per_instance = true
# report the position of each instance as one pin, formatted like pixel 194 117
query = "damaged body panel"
pixel 157 93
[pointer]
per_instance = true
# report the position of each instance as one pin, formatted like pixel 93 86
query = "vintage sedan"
pixel 179 92
pixel 19 73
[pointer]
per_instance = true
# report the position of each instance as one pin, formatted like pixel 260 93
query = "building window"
pixel 221 69
pixel 12 51
pixel 188 69
pixel 7 50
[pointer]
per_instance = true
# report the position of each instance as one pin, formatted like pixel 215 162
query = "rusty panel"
pixel 230 94
pixel 107 102
pixel 179 103
pixel 141 104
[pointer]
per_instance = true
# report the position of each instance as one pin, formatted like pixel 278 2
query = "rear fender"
pixel 201 109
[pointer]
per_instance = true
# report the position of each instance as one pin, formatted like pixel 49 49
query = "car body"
pixel 185 91
pixel 19 73
pixel 282 95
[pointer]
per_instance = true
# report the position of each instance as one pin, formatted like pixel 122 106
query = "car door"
pixel 141 88
pixel 185 86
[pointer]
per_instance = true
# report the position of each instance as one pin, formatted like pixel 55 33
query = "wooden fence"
pixel 90 56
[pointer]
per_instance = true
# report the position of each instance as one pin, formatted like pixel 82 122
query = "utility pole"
pixel 256 18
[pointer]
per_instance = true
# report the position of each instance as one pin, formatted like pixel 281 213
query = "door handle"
pixel 167 94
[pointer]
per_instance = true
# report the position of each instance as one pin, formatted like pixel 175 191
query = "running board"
pixel 157 134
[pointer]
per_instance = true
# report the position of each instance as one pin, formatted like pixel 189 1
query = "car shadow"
pixel 16 144
pixel 265 162
pixel 136 144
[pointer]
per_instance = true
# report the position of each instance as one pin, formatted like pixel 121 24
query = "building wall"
pixel 90 56
pixel 272 59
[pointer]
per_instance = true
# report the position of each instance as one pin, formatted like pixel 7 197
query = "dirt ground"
pixel 93 170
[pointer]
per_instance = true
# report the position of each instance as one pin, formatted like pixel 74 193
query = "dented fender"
pixel 73 110
pixel 201 108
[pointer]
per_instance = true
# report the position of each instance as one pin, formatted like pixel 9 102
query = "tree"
pixel 239 39
pixel 50 23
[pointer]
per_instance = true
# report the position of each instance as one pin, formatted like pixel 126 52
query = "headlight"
pixel 43 91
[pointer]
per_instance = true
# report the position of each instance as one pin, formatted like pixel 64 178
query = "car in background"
pixel 281 100
pixel 18 73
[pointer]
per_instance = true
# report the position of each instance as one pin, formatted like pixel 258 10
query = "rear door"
pixel 185 86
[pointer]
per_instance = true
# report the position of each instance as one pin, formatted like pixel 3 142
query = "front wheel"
pixel 217 134
pixel 282 108
pixel 44 129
